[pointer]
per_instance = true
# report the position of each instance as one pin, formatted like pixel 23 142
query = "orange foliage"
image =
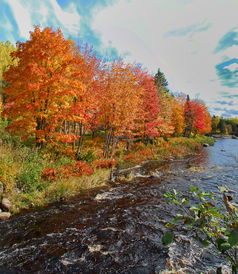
pixel 129 157
pixel 77 169
pixel 121 100
pixel 178 117
pixel 59 92
pixel 49 174
pixel 151 106
pixel 105 163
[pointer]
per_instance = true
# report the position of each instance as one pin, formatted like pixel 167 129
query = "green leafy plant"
pixel 29 178
pixel 88 157
pixel 212 220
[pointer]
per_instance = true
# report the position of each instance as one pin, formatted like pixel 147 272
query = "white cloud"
pixel 44 13
pixel 233 67
pixel 7 26
pixel 188 60
pixel 69 18
pixel 179 37
pixel 22 17
pixel 221 108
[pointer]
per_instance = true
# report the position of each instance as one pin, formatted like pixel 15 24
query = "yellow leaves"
pixel 6 58
pixel 178 117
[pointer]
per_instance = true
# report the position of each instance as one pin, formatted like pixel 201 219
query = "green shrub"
pixel 89 156
pixel 29 178
pixel 62 161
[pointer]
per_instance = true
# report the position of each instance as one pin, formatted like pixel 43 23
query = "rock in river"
pixel 6 205
pixel 4 216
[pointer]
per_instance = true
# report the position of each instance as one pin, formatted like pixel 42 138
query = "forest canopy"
pixel 56 93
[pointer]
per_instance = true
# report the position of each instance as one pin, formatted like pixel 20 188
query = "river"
pixel 118 229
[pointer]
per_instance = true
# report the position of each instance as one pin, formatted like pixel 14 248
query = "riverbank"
pixel 99 228
pixel 30 178
pixel 224 136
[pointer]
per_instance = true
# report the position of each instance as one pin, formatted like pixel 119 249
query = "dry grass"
pixel 53 191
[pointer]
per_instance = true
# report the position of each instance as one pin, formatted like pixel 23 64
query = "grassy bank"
pixel 173 148
pixel 30 177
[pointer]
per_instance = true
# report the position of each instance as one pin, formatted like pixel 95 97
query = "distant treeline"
pixel 225 126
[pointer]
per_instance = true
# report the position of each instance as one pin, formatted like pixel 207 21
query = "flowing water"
pixel 119 229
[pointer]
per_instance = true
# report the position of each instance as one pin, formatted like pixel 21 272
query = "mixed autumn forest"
pixel 57 92
pixel 78 112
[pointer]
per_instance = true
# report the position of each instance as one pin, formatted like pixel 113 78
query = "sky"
pixel 193 42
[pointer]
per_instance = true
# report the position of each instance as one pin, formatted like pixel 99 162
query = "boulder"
pixel 6 205
pixel 4 216
pixel 206 145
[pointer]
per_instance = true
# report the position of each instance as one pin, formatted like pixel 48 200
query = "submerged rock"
pixel 4 216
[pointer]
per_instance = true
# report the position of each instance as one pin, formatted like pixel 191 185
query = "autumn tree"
pixel 42 87
pixel 57 92
pixel 85 106
pixel 151 106
pixel 177 117
pixel 120 104
pixel 197 119
pixel 166 113
pixel 207 120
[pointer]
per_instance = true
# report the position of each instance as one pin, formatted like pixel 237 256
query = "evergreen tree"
pixel 215 122
pixel 222 126
pixel 160 80
pixel 188 118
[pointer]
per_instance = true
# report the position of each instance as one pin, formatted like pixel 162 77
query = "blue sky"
pixel 194 42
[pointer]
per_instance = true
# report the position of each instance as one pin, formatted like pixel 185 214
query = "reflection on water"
pixel 118 230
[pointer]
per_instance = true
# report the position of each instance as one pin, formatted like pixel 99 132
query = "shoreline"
pixel 68 189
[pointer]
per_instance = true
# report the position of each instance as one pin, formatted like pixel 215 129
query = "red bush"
pixel 49 174
pixel 77 169
pixel 105 163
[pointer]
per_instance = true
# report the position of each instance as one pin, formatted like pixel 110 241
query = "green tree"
pixel 188 117
pixel 6 60
pixel 222 126
pixel 160 80
pixel 233 122
pixel 215 121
